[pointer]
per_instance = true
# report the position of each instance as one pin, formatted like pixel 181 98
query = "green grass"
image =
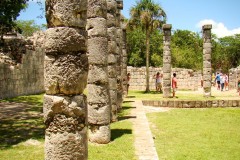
pixel 186 134
pixel 17 128
pixel 153 95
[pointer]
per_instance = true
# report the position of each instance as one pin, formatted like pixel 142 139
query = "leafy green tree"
pixel 28 27
pixel 187 50
pixel 149 16
pixel 9 11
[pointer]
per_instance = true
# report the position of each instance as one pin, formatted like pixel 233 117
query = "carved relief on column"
pixel 207 66
pixel 98 83
pixel 167 59
pixel 66 71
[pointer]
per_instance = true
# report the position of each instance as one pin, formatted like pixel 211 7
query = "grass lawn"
pixel 187 134
pixel 23 120
pixel 183 95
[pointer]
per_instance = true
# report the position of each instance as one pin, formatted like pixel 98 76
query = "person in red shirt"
pixel 174 84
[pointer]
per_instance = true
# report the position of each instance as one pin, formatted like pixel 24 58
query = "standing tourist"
pixel 239 87
pixel 218 81
pixel 174 84
pixel 222 81
pixel 128 81
pixel 226 82
pixel 158 82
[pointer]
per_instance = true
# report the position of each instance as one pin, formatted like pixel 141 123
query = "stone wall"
pixel 234 75
pixel 187 78
pixel 23 78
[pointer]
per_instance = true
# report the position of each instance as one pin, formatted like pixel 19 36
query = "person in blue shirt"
pixel 218 81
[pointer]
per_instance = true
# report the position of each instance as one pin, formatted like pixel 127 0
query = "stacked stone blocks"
pixel 99 104
pixel 207 67
pixel 167 59
pixel 66 71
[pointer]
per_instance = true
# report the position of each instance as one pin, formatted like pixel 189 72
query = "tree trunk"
pixel 147 59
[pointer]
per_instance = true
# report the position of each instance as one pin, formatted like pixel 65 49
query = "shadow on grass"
pixel 21 119
pixel 126 117
pixel 116 133
pixel 128 101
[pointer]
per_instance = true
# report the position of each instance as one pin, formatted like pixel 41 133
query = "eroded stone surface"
pixel 72 13
pixel 66 74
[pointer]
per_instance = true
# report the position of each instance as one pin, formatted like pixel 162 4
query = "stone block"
pixel 97 50
pixel 113 96
pixel 62 40
pixel 215 104
pixel 112 73
pixel 72 13
pixel 74 107
pixel 167 59
pixel 112 47
pixel 98 74
pixel 97 8
pixel 112 83
pixel 66 145
pixel 99 134
pixel 112 33
pixel 112 59
pixel 97 27
pixel 98 114
pixel 111 20
pixel 66 74
pixel 98 94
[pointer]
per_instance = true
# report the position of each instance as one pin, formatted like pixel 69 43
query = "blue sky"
pixel 224 15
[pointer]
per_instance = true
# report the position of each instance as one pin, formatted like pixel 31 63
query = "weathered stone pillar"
pixel 207 66
pixel 124 58
pixel 112 56
pixel 119 54
pixel 98 84
pixel 65 78
pixel 167 59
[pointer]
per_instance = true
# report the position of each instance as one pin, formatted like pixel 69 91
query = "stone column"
pixel 112 56
pixel 119 54
pixel 98 84
pixel 207 66
pixel 167 59
pixel 65 78
pixel 124 58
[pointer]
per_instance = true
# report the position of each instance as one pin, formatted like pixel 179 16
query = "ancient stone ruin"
pixel 167 59
pixel 207 66
pixel 66 71
pixel 98 82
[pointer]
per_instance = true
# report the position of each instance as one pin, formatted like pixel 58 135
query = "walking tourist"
pixel 174 84
pixel 222 81
pixel 226 82
pixel 158 82
pixel 217 79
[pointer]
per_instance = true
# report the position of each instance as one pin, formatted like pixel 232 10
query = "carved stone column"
pixel 112 56
pixel 207 66
pixel 98 84
pixel 65 78
pixel 167 59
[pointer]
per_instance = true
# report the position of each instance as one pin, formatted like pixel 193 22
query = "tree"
pixel 28 27
pixel 9 11
pixel 150 16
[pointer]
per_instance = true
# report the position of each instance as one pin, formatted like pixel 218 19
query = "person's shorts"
pixel 218 82
pixel 174 89
pixel 159 85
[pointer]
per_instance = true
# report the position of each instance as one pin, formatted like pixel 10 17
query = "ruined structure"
pixel 207 66
pixel 66 71
pixel 167 59
pixel 124 57
pixel 98 84
pixel 21 66
pixel 112 56
pixel 119 54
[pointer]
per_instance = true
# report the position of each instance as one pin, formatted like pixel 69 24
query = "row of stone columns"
pixel 207 68
pixel 83 46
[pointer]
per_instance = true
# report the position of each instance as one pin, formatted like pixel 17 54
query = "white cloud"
pixel 219 28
